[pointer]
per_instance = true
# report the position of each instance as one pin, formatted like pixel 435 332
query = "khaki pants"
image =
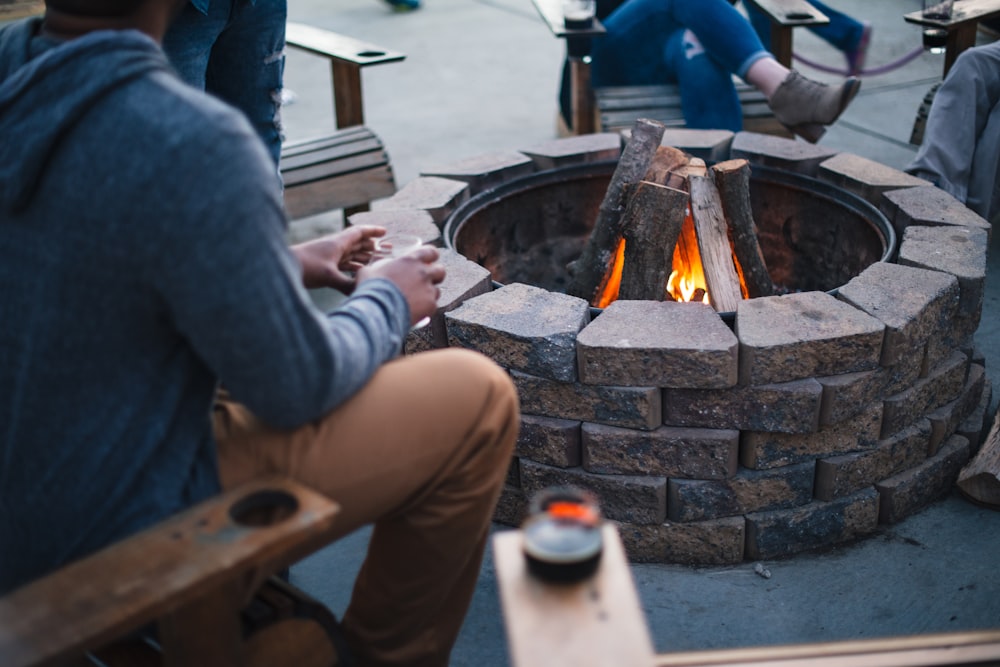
pixel 422 452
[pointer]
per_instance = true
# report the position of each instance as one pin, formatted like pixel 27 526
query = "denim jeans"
pixel 235 51
pixel 842 32
pixel 697 44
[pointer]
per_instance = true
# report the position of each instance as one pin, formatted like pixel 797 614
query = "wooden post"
pixel 732 178
pixel 979 480
pixel 652 223
pixel 590 272
pixel 713 241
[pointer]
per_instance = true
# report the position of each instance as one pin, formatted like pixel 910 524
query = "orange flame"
pixel 686 281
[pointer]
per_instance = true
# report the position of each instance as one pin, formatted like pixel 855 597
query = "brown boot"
pixel 804 106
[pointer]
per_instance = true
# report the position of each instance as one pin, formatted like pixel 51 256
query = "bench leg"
pixel 582 97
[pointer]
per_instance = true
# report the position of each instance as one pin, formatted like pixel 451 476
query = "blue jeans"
pixel 235 51
pixel 842 32
pixel 697 44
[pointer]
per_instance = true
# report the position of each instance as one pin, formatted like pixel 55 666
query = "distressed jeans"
pixel 698 45
pixel 235 51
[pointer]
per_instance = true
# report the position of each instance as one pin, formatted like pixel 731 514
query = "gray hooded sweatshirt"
pixel 142 262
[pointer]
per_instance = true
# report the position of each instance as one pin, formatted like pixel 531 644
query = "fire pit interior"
pixel 814 236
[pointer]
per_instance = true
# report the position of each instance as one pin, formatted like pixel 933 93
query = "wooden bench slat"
pixel 353 189
pixel 106 595
pixel 337 47
pixel 347 134
pixel 331 153
pixel 340 167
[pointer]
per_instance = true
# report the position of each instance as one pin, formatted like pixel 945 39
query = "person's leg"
pixel 708 96
pixel 189 40
pixel 957 120
pixel 422 451
pixel 631 51
pixel 247 66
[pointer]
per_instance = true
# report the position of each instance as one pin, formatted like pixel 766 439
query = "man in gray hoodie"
pixel 143 264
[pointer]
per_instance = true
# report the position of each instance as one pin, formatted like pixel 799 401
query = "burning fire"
pixel 686 281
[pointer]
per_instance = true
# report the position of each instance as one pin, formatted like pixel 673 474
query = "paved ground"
pixel 481 76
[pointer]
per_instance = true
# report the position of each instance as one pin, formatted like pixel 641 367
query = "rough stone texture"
pixel 942 385
pixel 866 178
pixel 485 171
pixel 796 336
pixel 928 206
pixel 945 420
pixel 634 499
pixel 914 304
pixel 977 424
pixel 523 328
pixel 555 442
pixel 464 279
pixel 960 251
pixel 512 506
pixel 667 451
pixel 818 524
pixel 576 150
pixel 761 451
pixel 840 476
pixel 663 344
pixel 748 491
pixel 846 395
pixel 790 407
pixel 709 145
pixel 406 221
pixel 908 491
pixel 438 196
pixel 779 152
pixel 513 473
pixel 715 542
pixel 629 407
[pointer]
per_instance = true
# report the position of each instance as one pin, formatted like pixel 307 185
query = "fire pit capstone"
pixel 799 422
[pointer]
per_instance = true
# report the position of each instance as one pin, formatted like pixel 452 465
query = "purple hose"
pixel 882 69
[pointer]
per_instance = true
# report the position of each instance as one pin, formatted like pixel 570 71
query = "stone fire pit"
pixel 798 422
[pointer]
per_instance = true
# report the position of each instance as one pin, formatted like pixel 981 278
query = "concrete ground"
pixel 482 76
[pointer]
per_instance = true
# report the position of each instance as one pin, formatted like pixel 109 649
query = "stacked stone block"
pixel 809 421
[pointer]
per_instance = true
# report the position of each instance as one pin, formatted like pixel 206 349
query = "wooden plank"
pixel 345 192
pixel 791 12
pixel 132 583
pixel 338 47
pixel 931 650
pixel 334 170
pixel 332 154
pixel 346 135
pixel 595 623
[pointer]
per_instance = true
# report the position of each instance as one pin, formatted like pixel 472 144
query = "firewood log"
pixel 713 240
pixel 651 225
pixel 590 272
pixel 732 178
pixel 979 480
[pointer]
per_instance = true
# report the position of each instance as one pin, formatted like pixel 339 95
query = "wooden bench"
pixel 617 108
pixel 350 167
pixel 599 623
pixel 193 576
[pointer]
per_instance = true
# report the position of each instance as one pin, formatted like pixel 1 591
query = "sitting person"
pixel 962 137
pixel 144 264
pixel 699 46
pixel 845 33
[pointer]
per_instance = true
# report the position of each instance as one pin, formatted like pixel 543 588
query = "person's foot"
pixel 856 57
pixel 805 106
pixel 404 5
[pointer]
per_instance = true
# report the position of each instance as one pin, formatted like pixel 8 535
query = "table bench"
pixel 348 168
pixel 599 622
pixel 617 108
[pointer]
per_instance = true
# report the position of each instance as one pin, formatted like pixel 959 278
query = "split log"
pixel 979 480
pixel 713 240
pixel 668 167
pixel 590 272
pixel 732 178
pixel 651 224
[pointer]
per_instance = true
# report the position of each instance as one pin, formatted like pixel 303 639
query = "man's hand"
pixel 417 275
pixel 327 260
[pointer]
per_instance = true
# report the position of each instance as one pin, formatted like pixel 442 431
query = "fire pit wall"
pixel 800 422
